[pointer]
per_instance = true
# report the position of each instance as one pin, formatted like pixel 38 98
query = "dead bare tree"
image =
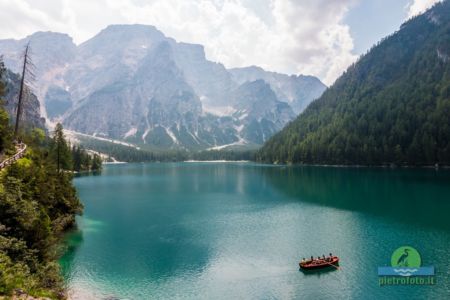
pixel 27 72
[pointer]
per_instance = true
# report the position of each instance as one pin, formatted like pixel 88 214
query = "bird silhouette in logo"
pixel 403 260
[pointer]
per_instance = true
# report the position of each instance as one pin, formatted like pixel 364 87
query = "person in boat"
pixel 323 256
pixel 312 258
pixel 329 258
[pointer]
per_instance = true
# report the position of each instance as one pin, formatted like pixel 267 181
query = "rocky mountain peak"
pixel 127 32
pixel 132 83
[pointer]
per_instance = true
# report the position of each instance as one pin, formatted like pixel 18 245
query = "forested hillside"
pixel 125 153
pixel 392 106
pixel 38 203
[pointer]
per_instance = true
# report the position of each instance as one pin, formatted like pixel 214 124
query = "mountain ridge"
pixel 87 85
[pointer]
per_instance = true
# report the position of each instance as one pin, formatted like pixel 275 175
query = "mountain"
pixel 392 106
pixel 134 84
pixel 298 91
pixel 51 52
pixel 259 110
pixel 31 116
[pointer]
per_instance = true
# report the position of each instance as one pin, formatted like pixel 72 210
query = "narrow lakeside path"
pixel 21 149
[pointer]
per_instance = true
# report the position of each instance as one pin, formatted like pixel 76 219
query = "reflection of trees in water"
pixel 87 173
pixel 417 196
pixel 70 246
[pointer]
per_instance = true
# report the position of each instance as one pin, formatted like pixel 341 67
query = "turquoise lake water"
pixel 238 230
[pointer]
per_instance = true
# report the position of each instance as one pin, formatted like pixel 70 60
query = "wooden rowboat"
pixel 319 263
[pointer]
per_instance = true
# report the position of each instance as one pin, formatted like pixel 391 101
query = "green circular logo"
pixel 407 257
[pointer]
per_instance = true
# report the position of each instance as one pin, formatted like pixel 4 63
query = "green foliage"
pixel 38 203
pixel 37 136
pixel 229 155
pixel 13 274
pixel 5 130
pixel 84 161
pixel 392 106
pixel 96 163
pixel 60 150
pixel 68 158
pixel 131 154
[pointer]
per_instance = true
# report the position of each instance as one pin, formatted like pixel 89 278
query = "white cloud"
pixel 289 36
pixel 417 7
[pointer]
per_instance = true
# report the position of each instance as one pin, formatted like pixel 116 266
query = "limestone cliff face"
pixel 132 83
pixel 31 116
pixel 297 91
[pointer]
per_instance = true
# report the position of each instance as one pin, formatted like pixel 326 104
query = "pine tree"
pixel 61 150
pixel 77 158
pixel 26 70
pixel 96 163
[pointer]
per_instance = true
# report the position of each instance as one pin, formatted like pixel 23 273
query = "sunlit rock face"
pixel 131 82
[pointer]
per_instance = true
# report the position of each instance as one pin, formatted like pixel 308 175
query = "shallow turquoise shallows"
pixel 238 230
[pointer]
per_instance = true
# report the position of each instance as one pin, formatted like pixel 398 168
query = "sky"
pixel 311 37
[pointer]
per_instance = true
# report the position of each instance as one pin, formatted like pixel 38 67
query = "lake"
pixel 238 231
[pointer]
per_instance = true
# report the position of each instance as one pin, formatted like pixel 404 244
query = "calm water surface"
pixel 238 230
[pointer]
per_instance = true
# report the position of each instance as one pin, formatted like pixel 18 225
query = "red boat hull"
pixel 319 264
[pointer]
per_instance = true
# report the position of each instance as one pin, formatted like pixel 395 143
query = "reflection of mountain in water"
pixel 413 196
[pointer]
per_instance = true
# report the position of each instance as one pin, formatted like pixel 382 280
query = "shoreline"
pixel 361 166
pixel 215 161
pixel 114 162
pixel 356 166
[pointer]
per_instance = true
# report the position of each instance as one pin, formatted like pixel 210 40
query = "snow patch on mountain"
pixel 172 135
pixel 219 110
pixel 131 132
pixel 241 142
